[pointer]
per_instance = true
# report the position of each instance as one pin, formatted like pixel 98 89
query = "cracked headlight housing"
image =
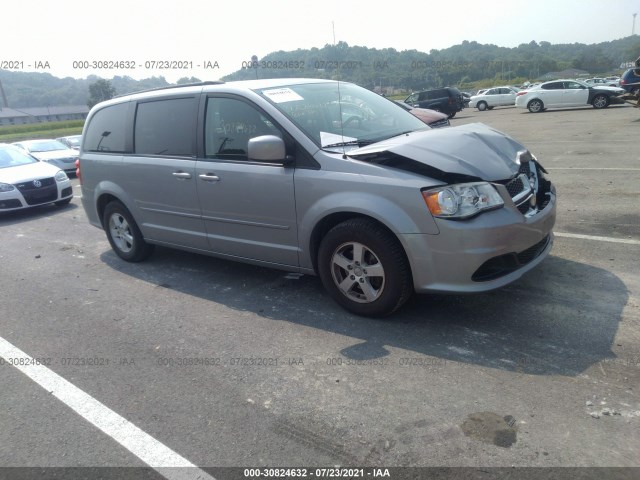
pixel 462 200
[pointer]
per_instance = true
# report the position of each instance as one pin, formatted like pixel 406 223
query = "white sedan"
pixel 566 93
pixel 25 182
pixel 493 97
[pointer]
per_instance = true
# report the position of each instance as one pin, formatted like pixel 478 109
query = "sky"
pixel 70 37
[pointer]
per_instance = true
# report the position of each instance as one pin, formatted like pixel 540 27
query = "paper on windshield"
pixel 327 138
pixel 282 95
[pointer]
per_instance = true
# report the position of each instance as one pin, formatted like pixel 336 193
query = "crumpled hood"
pixel 474 150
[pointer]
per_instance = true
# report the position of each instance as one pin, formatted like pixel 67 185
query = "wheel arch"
pixel 328 222
pixel 107 192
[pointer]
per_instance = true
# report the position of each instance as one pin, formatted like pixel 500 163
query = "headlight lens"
pixel 463 200
pixel 6 187
pixel 61 176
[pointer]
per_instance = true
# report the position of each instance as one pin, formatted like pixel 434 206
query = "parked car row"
pixel 603 82
pixel 566 93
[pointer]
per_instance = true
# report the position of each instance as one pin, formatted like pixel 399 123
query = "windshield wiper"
pixel 357 143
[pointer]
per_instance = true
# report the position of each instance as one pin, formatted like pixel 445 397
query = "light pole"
pixel 633 25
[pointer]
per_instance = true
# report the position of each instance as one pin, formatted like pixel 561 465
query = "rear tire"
pixel 535 106
pixel 452 114
pixel 364 269
pixel 123 233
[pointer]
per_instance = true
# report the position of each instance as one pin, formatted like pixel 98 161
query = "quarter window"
pixel 106 131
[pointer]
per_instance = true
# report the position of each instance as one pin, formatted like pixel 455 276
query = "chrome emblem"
pixel 37 183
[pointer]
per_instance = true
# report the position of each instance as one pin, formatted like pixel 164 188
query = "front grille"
pixel 43 195
pixel 31 184
pixel 515 186
pixel 502 265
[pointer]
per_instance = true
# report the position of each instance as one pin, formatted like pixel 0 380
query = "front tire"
pixel 123 233
pixel 364 269
pixel 452 114
pixel 482 106
pixel 535 106
pixel 600 101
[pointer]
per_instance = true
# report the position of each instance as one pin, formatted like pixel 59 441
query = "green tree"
pixel 99 91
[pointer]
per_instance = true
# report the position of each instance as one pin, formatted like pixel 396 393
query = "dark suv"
pixel 447 100
pixel 630 80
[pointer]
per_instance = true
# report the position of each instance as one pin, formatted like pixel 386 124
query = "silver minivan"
pixel 316 177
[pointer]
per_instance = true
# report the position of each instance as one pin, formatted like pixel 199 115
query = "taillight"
pixel 622 82
pixel 521 92
pixel 78 171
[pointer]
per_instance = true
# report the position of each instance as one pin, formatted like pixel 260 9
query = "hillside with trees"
pixel 466 63
pixel 469 64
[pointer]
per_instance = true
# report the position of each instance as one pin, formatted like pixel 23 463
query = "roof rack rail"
pixel 196 84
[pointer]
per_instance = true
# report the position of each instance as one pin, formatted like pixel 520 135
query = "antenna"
pixel 344 154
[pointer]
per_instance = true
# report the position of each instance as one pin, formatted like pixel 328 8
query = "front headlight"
pixel 6 187
pixel 61 176
pixel 463 200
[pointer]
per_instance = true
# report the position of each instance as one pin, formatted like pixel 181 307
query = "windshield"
pixel 12 157
pixel 45 146
pixel 338 115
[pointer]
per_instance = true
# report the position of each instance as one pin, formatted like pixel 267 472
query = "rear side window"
pixel 106 131
pixel 166 127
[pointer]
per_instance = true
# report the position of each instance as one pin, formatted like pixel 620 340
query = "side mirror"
pixel 267 148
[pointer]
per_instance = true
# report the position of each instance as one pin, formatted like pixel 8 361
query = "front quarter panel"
pixel 396 203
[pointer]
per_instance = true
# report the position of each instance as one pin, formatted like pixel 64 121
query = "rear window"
pixel 106 131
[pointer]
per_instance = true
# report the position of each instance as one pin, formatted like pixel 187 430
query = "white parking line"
pixel 155 454
pixel 598 239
